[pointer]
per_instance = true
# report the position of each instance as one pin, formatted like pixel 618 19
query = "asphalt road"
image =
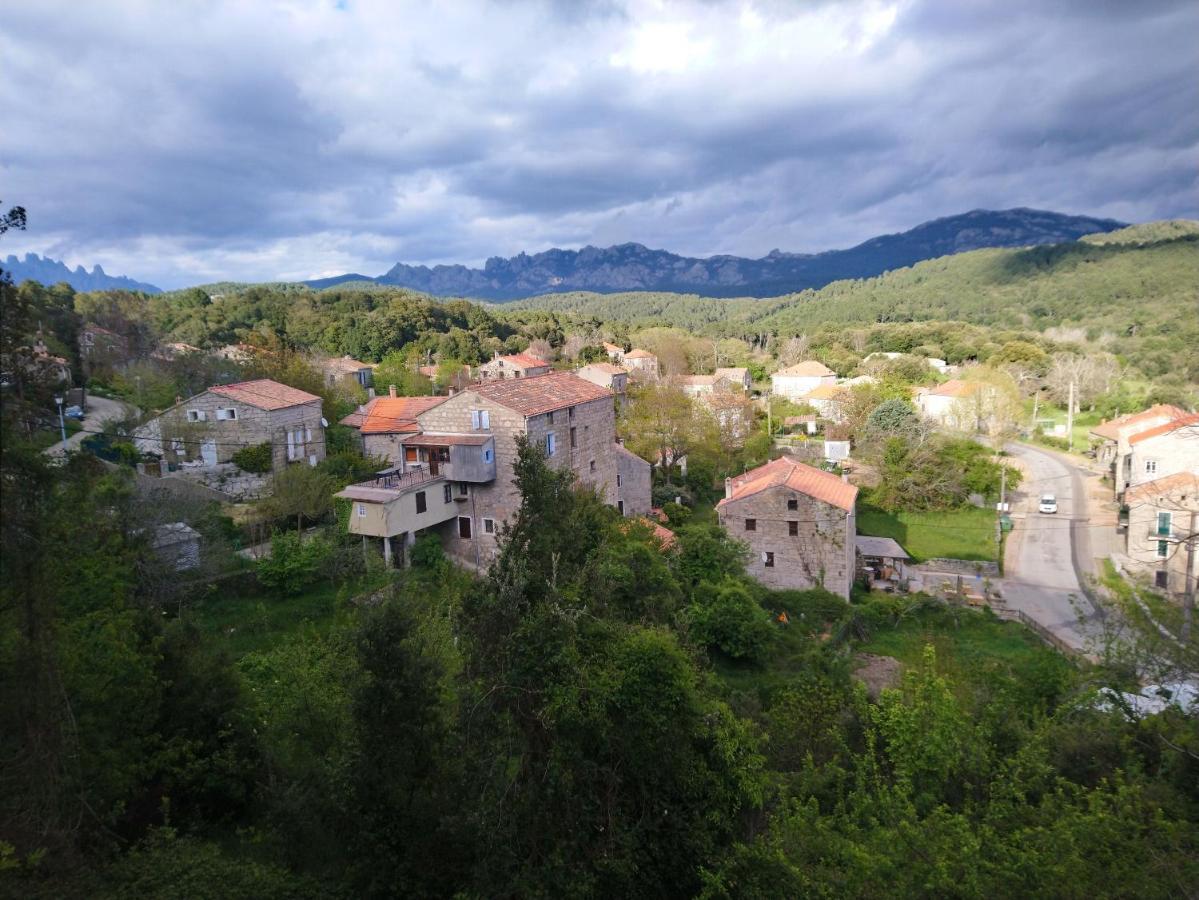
pixel 99 411
pixel 1046 555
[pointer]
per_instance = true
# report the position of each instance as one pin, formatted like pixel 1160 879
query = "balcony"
pixel 396 502
pixel 468 458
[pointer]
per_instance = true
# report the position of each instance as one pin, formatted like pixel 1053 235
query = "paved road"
pixel 1046 554
pixel 99 411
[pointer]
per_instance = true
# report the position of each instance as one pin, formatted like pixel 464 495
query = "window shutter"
pixel 475 419
pixel 485 418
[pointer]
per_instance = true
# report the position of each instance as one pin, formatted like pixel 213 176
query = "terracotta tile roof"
pixel 396 415
pixel 1179 481
pixel 1174 425
pixel 697 380
pixel 736 373
pixel 1112 430
pixel 541 393
pixel 612 348
pixel 606 368
pixel 825 392
pixel 264 394
pixel 786 472
pixel 955 387
pixel 664 537
pixel 344 365
pixel 639 354
pixel 808 368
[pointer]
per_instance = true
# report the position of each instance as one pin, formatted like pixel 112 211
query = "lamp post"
pixel 62 423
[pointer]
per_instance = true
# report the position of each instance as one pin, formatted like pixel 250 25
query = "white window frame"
pixel 551 444
pixel 197 415
pixel 488 526
pixel 480 420
pixel 1150 466
pixel 361 510
pixel 226 414
pixel 768 559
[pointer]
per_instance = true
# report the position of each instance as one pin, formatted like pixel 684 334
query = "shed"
pixel 882 557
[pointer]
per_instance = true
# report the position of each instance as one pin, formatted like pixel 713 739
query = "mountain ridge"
pixel 49 271
pixel 634 267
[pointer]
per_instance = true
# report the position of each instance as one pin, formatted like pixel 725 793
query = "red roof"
pixel 541 393
pixel 524 361
pixel 786 472
pixel 1180 422
pixel 394 415
pixel 1111 430
pixel 1176 482
pixel 606 368
pixel 639 354
pixel 264 394
pixel 955 387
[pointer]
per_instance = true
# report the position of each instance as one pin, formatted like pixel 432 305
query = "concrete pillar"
pixel 387 551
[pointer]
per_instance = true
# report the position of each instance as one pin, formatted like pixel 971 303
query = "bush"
pixel 427 553
pixel 666 493
pixel 293 564
pixel 257 459
pixel 676 514
pixel 730 619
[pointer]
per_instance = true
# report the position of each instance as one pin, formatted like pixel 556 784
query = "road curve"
pixel 99 411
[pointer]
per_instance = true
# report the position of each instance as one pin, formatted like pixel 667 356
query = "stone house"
pixel 614 352
pixel 209 428
pixel 696 386
pixel 970 406
pixel 829 401
pixel 606 375
pixel 1162 513
pixel 795 382
pixel 1163 450
pixel 515 365
pixel 641 364
pixel 346 368
pixel 386 421
pixel 466 446
pixel 799 523
pixel 736 376
pixel 102 345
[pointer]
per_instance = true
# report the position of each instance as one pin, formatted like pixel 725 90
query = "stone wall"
pixel 634 488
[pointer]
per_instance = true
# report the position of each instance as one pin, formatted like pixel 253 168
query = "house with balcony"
pixel 466 446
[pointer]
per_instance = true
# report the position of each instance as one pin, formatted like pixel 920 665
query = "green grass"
pixel 242 624
pixel 1083 423
pixel 956 534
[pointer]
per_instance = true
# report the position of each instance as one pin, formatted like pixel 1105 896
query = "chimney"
pixel 370 393
pixel 728 488
pixel 391 391
pixel 845 477
pixel 452 392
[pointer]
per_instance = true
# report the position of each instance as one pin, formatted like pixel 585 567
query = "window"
pixel 464 527
pixel 551 444
pixel 620 507
pixel 751 524
pixel 449 495
pixel 1164 520
pixel 1150 466
pixel 570 413
pixel 549 418
pixel 226 415
pixel 489 526
pixel 768 559
pixel 361 510
pixel 480 420
pixel 1163 549
pixel 421 506
pixel 793 528
pixel 792 503
pixel 196 415
pixel 592 466
pixel 488 455
pixel 1161 579
pixel 462 488
pixel 574 441
pixel 618 479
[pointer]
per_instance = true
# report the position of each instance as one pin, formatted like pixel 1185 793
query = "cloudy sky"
pixel 190 141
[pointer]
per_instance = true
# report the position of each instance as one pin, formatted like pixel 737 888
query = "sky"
pixel 188 142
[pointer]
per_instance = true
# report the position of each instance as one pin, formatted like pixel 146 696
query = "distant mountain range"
pixel 52 271
pixel 634 267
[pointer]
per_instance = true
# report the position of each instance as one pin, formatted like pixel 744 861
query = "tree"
pixel 301 491
pixel 660 422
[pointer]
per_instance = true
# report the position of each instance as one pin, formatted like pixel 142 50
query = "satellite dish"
pixel 324 422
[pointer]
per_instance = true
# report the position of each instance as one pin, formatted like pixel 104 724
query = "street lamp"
pixel 62 423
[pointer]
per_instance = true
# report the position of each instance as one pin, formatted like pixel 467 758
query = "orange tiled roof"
pixel 786 472
pixel 524 361
pixel 612 348
pixel 1173 425
pixel 395 415
pixel 346 365
pixel 955 387
pixel 639 354
pixel 733 373
pixel 697 379
pixel 264 393
pixel 606 368
pixel 1111 430
pixel 825 392
pixel 541 393
pixel 1177 481
pixel 664 536
pixel 809 368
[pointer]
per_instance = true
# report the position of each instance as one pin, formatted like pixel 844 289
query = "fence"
pixel 1018 615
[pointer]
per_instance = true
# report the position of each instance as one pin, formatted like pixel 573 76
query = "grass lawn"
pixel 956 534
pixel 245 624
pixel 1084 421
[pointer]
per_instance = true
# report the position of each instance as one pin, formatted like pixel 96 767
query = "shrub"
pixel 427 553
pixel 293 564
pixel 666 493
pixel 257 459
pixel 728 618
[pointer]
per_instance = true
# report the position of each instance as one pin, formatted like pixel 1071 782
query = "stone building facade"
pixel 799 523
pixel 209 428
pixel 633 483
pixel 515 365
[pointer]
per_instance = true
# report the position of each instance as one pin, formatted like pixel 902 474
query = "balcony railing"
pixel 401 481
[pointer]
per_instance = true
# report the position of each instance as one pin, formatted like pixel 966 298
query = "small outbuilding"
pixel 883 559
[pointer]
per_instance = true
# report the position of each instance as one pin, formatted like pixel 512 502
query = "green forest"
pixel 594 718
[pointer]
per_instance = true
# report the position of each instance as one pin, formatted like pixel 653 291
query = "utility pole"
pixel 1002 501
pixel 1188 598
pixel 1070 419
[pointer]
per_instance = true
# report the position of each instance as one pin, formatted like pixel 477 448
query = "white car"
pixel 1048 504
